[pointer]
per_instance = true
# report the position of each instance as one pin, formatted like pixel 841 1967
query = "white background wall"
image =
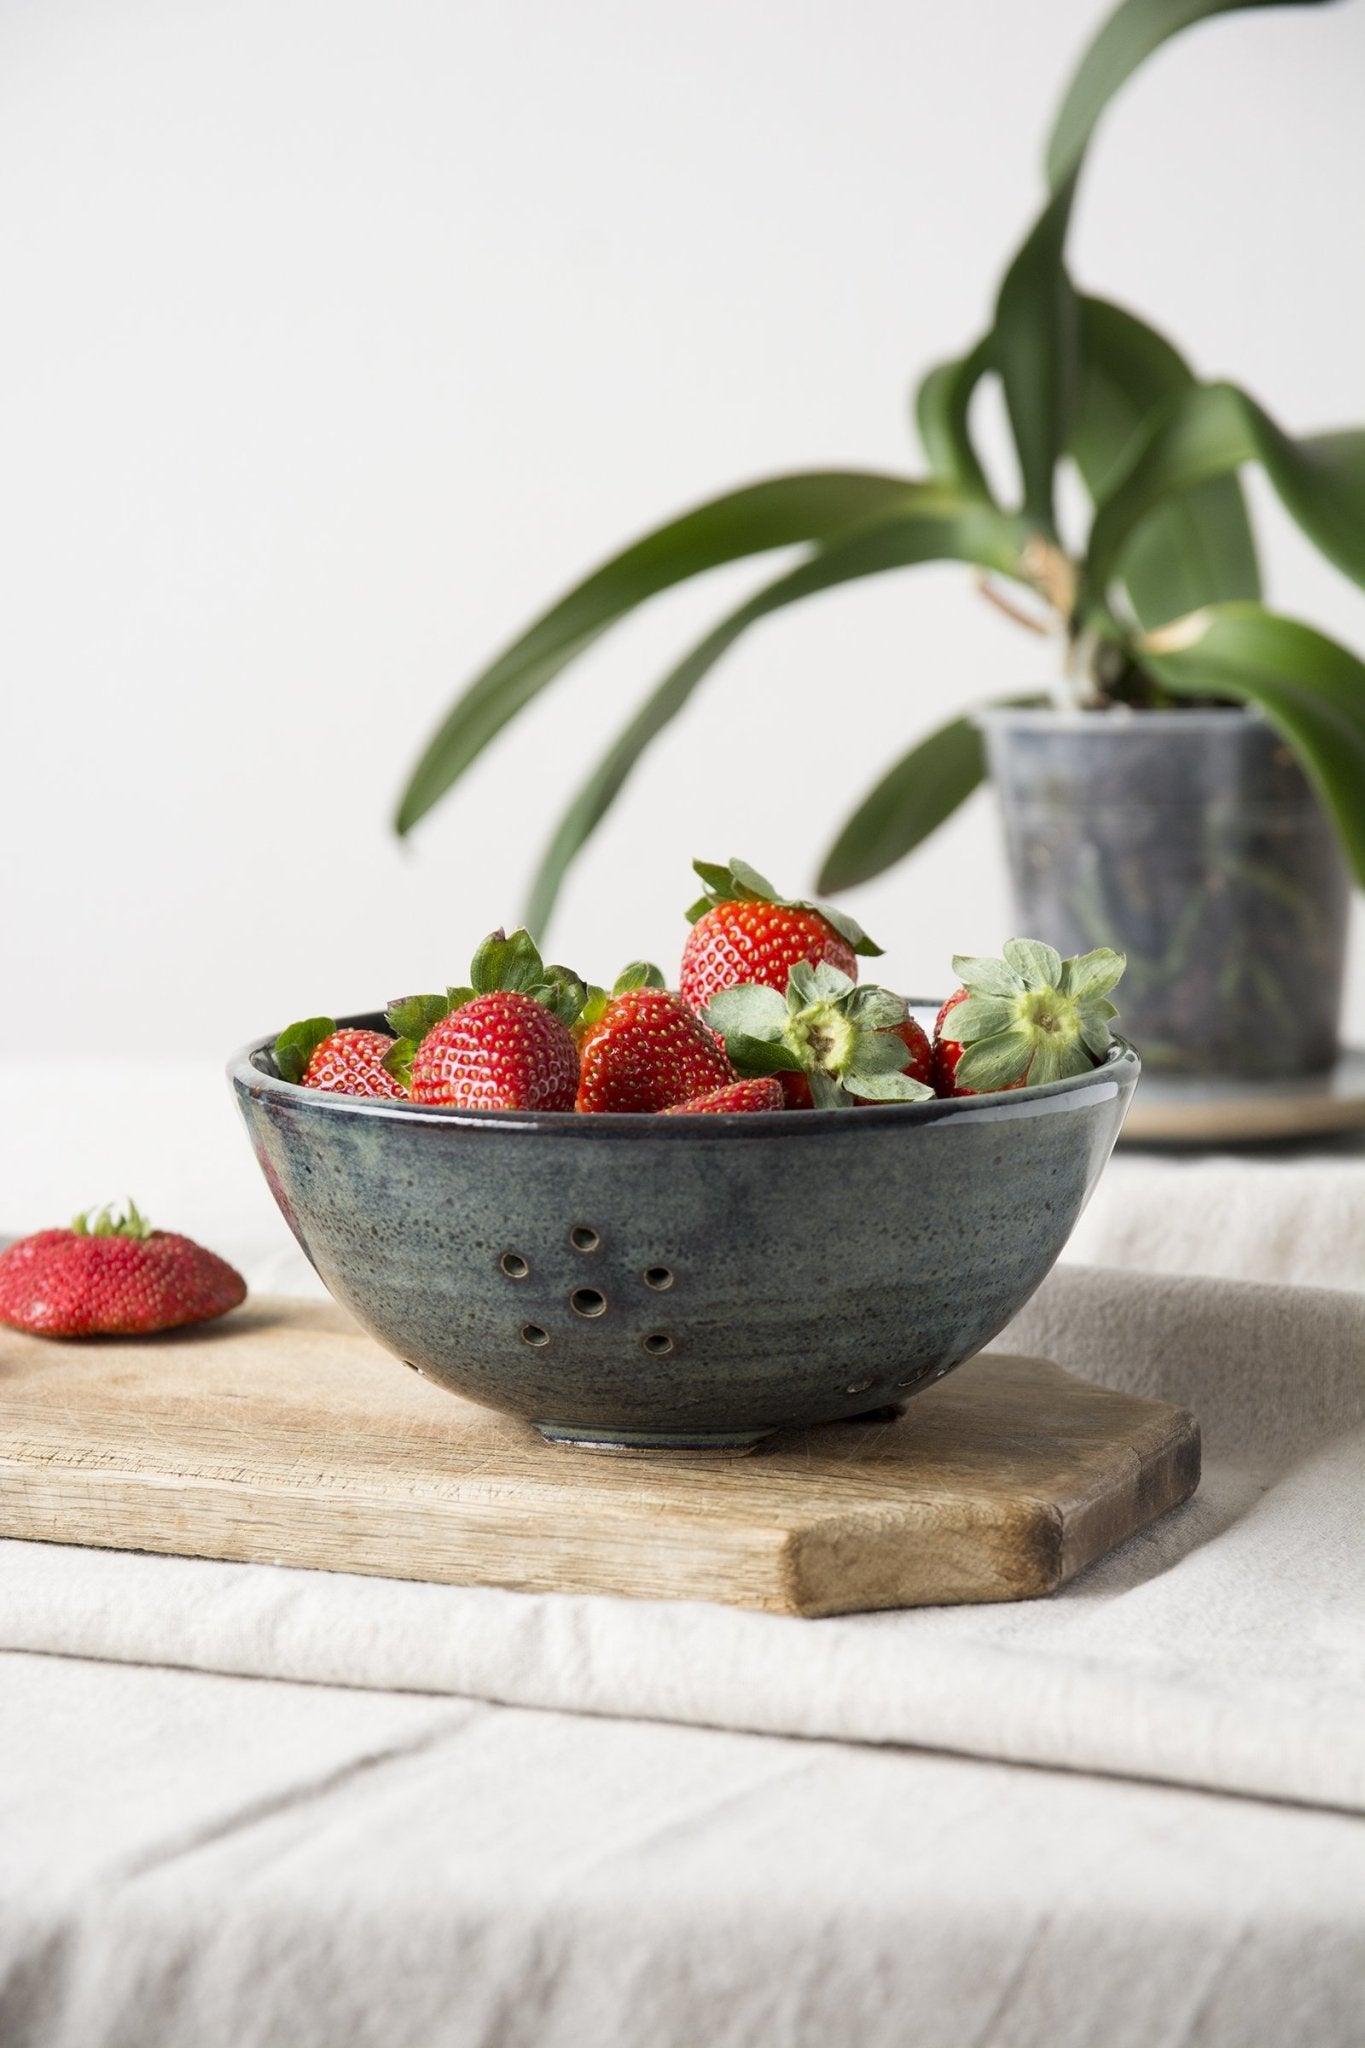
pixel 336 338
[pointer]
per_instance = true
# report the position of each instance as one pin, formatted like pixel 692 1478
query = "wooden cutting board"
pixel 285 1435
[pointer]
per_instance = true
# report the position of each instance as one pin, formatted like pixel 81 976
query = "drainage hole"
pixel 531 1333
pixel 584 1238
pixel 659 1278
pixel 658 1345
pixel 586 1301
pixel 859 1387
pixel 514 1265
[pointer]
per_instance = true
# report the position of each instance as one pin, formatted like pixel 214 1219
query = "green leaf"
pixel 502 963
pixel 753 1057
pixel 983 1017
pixel 414 1016
pixel 747 1009
pixel 1035 341
pixel 877 1008
pixel 1053 1061
pixel 1038 965
pixel 639 974
pixel 994 1062
pixel 1198 548
pixel 1210 431
pixel 1036 350
pixel 935 526
pixel 297 1043
pixel 942 408
pixel 1128 37
pixel 1088 976
pixel 397 1061
pixel 887 1087
pixel 984 975
pixel 780 512
pixel 1310 688
pixel 912 800
pixel 564 993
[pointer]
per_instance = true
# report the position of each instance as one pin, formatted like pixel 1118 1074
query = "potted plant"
pixel 1191 784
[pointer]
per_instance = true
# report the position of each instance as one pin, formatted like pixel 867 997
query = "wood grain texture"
pixel 285 1435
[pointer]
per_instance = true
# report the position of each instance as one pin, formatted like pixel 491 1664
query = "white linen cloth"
pixel 1224 1647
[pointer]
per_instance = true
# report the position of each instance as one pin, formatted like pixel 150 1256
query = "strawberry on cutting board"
pixel 113 1276
pixel 646 1050
pixel 1028 1017
pixel 744 932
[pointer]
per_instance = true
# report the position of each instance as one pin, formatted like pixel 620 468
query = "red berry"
pixel 648 1051
pixel 502 1050
pixel 947 1052
pixel 114 1282
pixel 758 942
pixel 919 1064
pixel 352 1063
pixel 763 1093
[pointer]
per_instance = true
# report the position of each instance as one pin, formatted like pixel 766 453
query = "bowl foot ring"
pixel 728 1443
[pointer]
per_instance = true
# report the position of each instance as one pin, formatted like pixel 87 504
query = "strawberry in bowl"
pixel 598 1211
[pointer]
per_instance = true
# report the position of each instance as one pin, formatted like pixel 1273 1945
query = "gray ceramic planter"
pixel 1193 842
pixel 683 1282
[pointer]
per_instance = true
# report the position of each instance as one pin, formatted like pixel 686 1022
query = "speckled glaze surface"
pixel 683 1282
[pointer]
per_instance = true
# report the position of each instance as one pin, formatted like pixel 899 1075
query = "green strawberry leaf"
pixel 511 964
pixel 739 883
pixel 877 1052
pixel 981 1017
pixel 639 974
pixel 563 993
pixel 593 1011
pixel 297 1043
pixel 397 1061
pixel 753 1057
pixel 1057 1061
pixel 1039 966
pixel 1091 974
pixel 896 1087
pixel 456 998
pixel 877 1008
pixel 413 1016
pixel 748 1009
pixel 994 1062
pixel 986 977
pixel 1095 1032
pixel 106 1223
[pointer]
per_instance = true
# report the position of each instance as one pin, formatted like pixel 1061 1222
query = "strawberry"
pixel 348 1062
pixel 504 1042
pixel 919 1063
pixel 1023 1019
pixel 647 1050
pixel 503 1050
pixel 113 1277
pixel 843 1045
pixel 744 932
pixel 764 1093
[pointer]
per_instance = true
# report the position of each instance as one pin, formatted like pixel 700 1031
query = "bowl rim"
pixel 1121 1066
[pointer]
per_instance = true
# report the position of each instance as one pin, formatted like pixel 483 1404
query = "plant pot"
pixel 1193 842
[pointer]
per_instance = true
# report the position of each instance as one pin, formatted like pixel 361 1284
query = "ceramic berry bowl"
pixel 684 1283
